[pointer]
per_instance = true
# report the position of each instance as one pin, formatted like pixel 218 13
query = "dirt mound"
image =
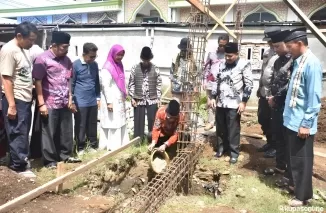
pixel 13 185
pixel 124 176
pixel 321 135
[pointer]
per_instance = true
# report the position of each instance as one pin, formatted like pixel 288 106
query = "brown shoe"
pixel 209 126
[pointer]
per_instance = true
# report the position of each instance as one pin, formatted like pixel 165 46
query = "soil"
pixel 103 189
pixel 122 178
pixel 321 135
pixel 13 185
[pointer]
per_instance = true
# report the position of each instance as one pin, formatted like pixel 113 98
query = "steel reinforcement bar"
pixel 178 175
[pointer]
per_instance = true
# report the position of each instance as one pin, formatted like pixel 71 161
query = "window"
pixel 262 53
pixel 260 17
pixel 249 53
pixel 319 15
pixel 76 50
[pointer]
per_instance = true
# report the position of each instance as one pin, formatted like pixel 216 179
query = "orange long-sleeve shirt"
pixel 166 127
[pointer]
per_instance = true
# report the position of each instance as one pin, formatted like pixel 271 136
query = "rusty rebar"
pixel 178 175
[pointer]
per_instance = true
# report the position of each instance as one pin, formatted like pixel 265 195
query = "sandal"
pixel 269 171
pixel 296 203
pixel 283 182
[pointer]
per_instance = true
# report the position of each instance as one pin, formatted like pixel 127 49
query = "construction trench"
pixel 145 191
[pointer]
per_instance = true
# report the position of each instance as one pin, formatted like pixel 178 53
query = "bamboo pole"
pixel 202 8
pixel 59 180
pixel 222 18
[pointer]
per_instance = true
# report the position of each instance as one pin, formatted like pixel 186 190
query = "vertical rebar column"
pixel 192 78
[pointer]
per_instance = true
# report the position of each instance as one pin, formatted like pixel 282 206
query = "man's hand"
pixel 12 112
pixel 242 107
pixel 73 108
pixel 151 147
pixel 98 104
pixel 44 111
pixel 258 94
pixel 271 101
pixel 303 133
pixel 162 148
pixel 110 107
pixel 213 103
pixel 133 102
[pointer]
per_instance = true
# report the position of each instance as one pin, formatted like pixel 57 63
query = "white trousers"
pixel 113 139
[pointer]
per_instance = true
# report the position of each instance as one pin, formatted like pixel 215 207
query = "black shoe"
pixel 72 160
pixel 233 160
pixel 52 165
pixel 218 154
pixel 271 153
pixel 264 148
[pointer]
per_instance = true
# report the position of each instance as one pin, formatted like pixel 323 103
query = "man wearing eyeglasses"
pixel 86 98
pixel 212 65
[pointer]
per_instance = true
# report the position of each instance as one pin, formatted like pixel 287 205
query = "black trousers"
pixel 35 144
pixel 279 138
pixel 139 119
pixel 86 127
pixel 228 131
pixel 264 119
pixel 18 133
pixel 301 154
pixel 57 135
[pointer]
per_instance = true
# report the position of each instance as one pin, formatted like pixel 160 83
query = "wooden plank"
pixel 59 180
pixel 319 35
pixel 320 154
pixel 60 171
pixel 252 135
pixel 197 4
pixel 222 18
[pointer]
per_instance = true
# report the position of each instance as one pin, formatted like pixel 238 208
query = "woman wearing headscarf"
pixel 113 132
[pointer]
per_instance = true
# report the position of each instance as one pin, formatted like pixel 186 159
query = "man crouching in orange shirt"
pixel 166 127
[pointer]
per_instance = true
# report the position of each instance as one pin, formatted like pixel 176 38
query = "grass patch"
pixel 45 175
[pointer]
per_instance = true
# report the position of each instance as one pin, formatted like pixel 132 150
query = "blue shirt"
pixel 85 83
pixel 305 113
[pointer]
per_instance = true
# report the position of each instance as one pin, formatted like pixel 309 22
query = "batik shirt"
pixel 180 78
pixel 212 66
pixel 234 84
pixel 305 113
pixel 146 99
pixel 280 80
pixel 55 74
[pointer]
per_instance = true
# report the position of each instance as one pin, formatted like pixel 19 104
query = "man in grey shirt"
pixel 264 110
pixel 214 59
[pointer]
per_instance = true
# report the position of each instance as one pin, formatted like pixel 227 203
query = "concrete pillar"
pixel 121 14
pixel 291 15
pixel 170 15
pixel 229 17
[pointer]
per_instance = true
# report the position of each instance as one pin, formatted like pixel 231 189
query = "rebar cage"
pixel 178 175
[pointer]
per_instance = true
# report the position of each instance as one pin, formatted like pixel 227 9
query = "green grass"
pixel 260 193
pixel 45 175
